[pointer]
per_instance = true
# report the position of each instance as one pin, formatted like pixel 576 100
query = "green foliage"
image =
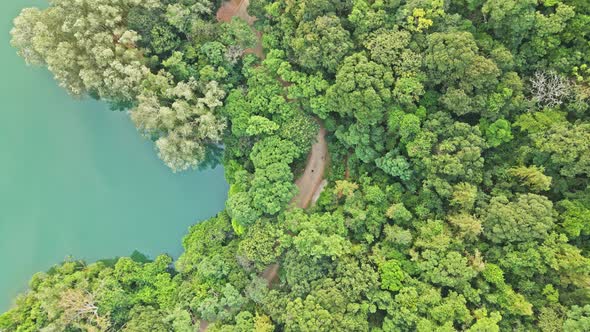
pixel 493 274
pixel 163 39
pixel 464 195
pixel 272 187
pixel 529 217
pixel 567 146
pixel 498 132
pixel 322 43
pixel 397 166
pixel 532 177
pixel 457 191
pixel 578 319
pixel 576 217
pixel 240 207
pixel 399 213
pixel 237 33
pixel 182 128
pixel 392 276
pixel 361 90
pixel 109 67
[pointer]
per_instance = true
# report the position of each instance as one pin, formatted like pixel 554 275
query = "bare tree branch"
pixel 549 88
pixel 79 305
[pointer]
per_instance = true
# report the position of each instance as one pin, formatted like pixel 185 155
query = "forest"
pixel 457 192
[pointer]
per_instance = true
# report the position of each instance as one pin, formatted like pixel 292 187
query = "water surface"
pixel 77 179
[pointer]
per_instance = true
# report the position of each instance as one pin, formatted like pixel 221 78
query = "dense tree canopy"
pixel 457 192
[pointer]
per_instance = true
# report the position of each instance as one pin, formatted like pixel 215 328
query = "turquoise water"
pixel 77 179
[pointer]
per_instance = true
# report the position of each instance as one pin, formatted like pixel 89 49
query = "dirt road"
pixel 311 180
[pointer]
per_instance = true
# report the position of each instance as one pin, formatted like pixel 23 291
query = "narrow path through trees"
pixel 311 182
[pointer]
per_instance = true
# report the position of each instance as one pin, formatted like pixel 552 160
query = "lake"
pixel 77 179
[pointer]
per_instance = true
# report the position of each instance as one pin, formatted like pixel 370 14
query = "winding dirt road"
pixel 311 182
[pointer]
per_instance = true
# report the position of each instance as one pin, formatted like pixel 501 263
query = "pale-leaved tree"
pixel 86 45
pixel 180 117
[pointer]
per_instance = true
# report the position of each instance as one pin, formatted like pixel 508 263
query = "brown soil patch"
pixel 347 172
pixel 258 51
pixel 203 326
pixel 271 274
pixel 239 8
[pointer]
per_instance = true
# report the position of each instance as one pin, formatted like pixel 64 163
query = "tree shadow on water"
pixel 213 157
